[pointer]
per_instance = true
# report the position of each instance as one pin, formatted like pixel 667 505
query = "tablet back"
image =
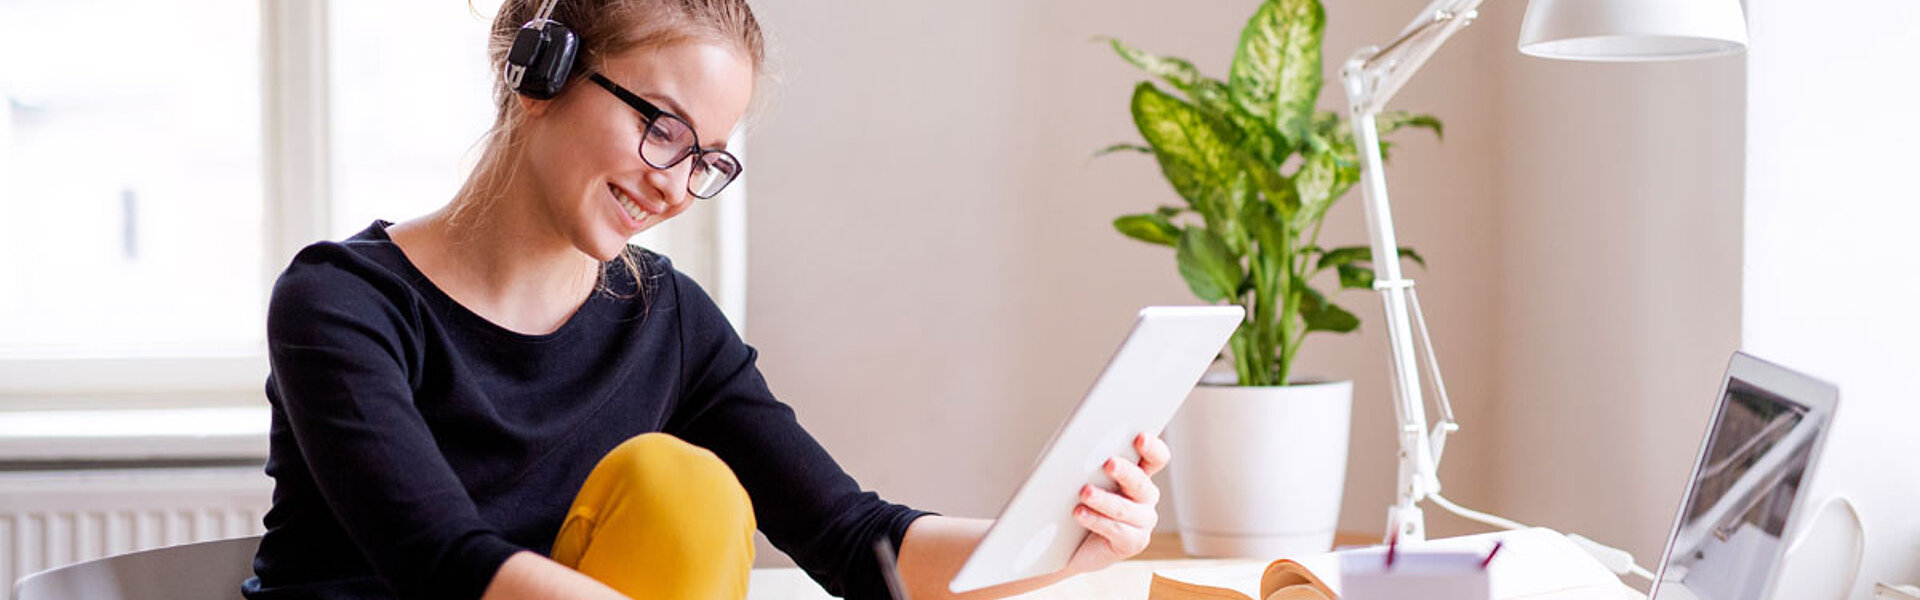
pixel 1137 392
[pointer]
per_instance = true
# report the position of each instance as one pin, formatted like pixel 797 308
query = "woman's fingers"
pixel 1134 482
pixel 1113 506
pixel 1124 539
pixel 1125 519
pixel 1154 453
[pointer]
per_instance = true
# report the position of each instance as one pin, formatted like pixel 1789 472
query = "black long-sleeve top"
pixel 416 445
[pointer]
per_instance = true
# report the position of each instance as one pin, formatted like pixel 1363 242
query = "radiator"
pixel 54 518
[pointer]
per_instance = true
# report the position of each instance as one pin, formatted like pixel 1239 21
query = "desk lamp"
pixel 1591 30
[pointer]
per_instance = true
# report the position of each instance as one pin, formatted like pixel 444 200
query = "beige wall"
pixel 1619 282
pixel 934 280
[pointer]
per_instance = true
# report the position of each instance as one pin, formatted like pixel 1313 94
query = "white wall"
pixel 1831 215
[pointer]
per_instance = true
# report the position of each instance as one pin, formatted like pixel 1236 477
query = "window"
pixel 129 180
pixel 152 183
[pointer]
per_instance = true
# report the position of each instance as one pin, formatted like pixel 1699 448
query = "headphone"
pixel 542 55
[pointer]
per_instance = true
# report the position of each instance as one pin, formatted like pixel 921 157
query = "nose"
pixel 671 184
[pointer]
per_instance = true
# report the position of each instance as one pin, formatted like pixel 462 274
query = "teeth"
pixel 627 204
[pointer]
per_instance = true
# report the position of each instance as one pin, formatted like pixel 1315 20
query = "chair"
pixel 200 571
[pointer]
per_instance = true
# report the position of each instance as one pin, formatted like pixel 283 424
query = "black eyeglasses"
pixel 669 140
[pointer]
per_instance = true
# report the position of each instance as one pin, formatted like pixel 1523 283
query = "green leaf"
pixel 1210 270
pixel 1152 228
pixel 1322 315
pixel 1315 182
pixel 1356 277
pixel 1275 187
pixel 1345 256
pixel 1362 254
pixel 1393 120
pixel 1276 69
pixel 1408 253
pixel 1169 211
pixel 1177 72
pixel 1123 147
pixel 1195 151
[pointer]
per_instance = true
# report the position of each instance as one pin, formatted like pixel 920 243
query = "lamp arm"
pixel 1371 77
pixel 1389 67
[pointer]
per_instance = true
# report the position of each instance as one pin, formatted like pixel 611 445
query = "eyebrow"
pixel 674 107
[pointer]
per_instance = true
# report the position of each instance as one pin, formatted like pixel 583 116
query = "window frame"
pixel 298 209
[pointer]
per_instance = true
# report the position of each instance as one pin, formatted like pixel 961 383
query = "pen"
pixel 1393 543
pixel 1489 559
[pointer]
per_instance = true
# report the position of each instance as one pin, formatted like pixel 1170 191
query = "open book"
pixel 1533 564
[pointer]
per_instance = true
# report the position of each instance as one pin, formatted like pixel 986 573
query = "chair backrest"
pixel 200 571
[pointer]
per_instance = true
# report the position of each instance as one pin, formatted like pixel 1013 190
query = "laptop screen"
pixel 1733 523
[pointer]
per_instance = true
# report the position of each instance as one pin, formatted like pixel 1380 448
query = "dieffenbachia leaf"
pixel 1194 151
pixel 1123 147
pixel 1317 182
pixel 1355 277
pixel 1210 270
pixel 1276 69
pixel 1394 120
pixel 1152 228
pixel 1347 255
pixel 1177 72
pixel 1321 315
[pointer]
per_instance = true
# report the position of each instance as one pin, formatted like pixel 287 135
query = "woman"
pixel 502 399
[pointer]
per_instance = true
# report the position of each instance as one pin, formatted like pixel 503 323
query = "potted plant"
pixel 1262 456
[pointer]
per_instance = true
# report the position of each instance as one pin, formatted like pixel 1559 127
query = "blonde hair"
pixel 605 28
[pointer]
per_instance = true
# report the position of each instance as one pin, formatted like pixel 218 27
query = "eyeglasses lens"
pixel 668 140
pixel 711 173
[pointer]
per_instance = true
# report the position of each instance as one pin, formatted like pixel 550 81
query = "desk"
pixel 1125 581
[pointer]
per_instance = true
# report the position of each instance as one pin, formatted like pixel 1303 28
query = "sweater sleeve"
pixel 804 502
pixel 342 354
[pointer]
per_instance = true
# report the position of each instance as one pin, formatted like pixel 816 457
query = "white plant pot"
pixel 1258 471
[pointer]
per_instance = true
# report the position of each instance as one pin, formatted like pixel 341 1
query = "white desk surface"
pixel 1122 581
pixel 1125 581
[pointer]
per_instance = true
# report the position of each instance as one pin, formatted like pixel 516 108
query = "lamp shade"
pixel 1632 30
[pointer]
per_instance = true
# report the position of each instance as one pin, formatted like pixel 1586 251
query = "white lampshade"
pixel 1632 30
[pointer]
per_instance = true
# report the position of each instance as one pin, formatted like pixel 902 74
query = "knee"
pixel 663 471
pixel 652 449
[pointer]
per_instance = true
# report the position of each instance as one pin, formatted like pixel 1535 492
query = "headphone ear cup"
pixel 544 53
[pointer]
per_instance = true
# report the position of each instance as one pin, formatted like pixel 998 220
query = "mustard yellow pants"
pixel 661 519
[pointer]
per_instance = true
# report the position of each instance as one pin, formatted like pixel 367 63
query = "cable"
pixel 1474 514
pixel 1620 562
pixel 1636 571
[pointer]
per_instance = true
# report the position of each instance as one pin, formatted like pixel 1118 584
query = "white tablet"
pixel 1137 392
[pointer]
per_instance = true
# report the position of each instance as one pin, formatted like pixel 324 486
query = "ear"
pixel 532 106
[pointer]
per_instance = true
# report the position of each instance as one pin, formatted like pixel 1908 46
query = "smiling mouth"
pixel 629 205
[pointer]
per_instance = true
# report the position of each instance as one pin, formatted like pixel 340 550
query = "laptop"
pixel 1745 496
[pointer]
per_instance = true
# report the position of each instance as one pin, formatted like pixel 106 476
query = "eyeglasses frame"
pixel 652 114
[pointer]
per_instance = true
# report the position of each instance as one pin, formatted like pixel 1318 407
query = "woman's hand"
pixel 1122 523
